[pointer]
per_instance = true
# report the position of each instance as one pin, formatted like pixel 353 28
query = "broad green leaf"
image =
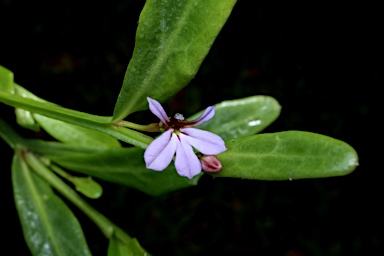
pixel 124 166
pixel 68 133
pixel 98 123
pixel 6 80
pixel 287 155
pixel 172 40
pixel 49 226
pixel 242 117
pixel 125 248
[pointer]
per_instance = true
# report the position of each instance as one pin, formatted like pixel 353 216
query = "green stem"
pixel 105 225
pixel 98 123
pixel 154 127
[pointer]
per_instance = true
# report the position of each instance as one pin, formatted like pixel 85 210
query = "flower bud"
pixel 210 164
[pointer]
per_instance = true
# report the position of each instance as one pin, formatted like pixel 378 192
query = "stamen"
pixel 179 117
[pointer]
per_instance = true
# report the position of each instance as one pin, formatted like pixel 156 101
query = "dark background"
pixel 324 65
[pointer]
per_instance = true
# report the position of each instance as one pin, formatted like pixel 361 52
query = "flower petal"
pixel 157 110
pixel 160 152
pixel 204 141
pixel 207 115
pixel 187 164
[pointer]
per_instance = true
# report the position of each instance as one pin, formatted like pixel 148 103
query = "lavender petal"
pixel 204 141
pixel 157 110
pixel 187 164
pixel 160 152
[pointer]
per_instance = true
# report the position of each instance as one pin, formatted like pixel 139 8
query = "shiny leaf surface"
pixel 287 155
pixel 241 117
pixel 49 226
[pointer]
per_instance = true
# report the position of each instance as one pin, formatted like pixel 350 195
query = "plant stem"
pixel 154 127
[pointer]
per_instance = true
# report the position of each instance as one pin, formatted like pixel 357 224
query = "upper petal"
pixel 157 110
pixel 207 115
pixel 187 164
pixel 204 141
pixel 160 152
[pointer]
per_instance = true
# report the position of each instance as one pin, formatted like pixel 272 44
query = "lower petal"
pixel 187 164
pixel 204 141
pixel 160 152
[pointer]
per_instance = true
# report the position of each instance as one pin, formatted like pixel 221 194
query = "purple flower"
pixel 179 138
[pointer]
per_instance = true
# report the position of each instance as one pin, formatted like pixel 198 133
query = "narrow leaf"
pixel 287 155
pixel 49 226
pixel 98 123
pixel 241 117
pixel 67 133
pixel 172 40
pixel 124 166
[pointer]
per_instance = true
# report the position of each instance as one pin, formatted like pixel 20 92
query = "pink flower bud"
pixel 210 164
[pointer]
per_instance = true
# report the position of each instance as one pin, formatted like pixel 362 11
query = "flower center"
pixel 179 117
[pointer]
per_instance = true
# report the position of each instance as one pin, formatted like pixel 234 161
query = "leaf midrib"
pixel 40 207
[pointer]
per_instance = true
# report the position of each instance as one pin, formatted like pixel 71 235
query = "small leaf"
pixel 49 226
pixel 25 119
pixel 287 155
pixel 124 166
pixel 87 186
pixel 6 80
pixel 127 248
pixel 241 117
pixel 172 40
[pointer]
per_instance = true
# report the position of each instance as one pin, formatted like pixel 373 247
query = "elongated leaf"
pixel 124 166
pixel 125 248
pixel 49 227
pixel 172 40
pixel 68 133
pixel 6 80
pixel 98 123
pixel 287 155
pixel 241 117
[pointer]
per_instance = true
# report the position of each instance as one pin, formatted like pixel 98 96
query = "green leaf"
pixel 49 226
pixel 241 117
pixel 67 133
pixel 87 186
pixel 25 119
pixel 129 247
pixel 172 40
pixel 124 166
pixel 287 155
pixel 98 123
pixel 6 80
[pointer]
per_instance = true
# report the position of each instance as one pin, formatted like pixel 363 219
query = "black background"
pixel 324 64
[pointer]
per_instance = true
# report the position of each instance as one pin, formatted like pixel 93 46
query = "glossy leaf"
pixel 286 155
pixel 49 226
pixel 98 123
pixel 124 166
pixel 172 40
pixel 241 117
pixel 6 80
pixel 129 247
